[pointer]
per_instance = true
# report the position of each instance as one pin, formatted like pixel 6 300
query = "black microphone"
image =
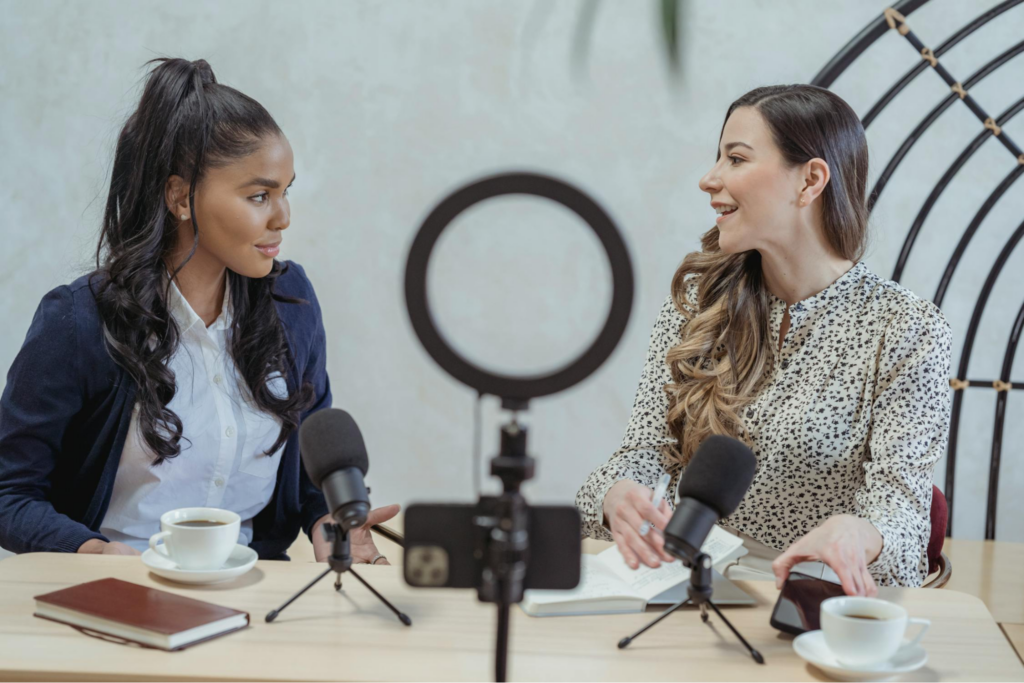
pixel 712 486
pixel 335 459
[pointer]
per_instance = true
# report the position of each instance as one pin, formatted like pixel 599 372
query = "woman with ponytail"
pixel 178 372
pixel 776 334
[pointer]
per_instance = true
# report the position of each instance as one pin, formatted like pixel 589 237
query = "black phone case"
pixel 785 626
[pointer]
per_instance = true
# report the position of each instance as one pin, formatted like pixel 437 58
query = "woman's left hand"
pixel 847 544
pixel 360 540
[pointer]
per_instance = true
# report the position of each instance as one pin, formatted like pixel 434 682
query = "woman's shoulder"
pixel 674 315
pixel 901 310
pixel 295 284
pixel 73 303
pixel 67 326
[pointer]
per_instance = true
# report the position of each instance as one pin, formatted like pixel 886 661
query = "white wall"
pixel 389 105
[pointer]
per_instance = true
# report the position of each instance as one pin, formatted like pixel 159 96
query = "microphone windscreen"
pixel 329 440
pixel 719 474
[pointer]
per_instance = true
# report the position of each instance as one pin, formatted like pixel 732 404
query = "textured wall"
pixel 388 105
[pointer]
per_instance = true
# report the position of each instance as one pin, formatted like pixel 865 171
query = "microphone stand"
pixel 699 592
pixel 339 561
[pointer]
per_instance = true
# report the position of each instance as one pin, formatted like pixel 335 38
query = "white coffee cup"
pixel 192 545
pixel 862 632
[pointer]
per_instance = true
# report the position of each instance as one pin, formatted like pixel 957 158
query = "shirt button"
pixel 218 481
pixel 229 432
pixel 218 378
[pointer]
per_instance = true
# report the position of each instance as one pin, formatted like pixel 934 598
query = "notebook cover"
pixel 138 606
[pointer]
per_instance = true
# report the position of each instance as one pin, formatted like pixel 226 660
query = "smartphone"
pixel 799 603
pixel 445 545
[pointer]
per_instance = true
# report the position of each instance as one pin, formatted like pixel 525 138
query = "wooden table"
pixel 325 635
pixel 992 571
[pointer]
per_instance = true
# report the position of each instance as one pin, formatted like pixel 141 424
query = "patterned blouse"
pixel 851 419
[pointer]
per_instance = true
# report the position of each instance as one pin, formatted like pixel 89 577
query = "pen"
pixel 659 493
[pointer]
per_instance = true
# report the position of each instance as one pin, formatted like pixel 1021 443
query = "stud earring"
pixel 184 216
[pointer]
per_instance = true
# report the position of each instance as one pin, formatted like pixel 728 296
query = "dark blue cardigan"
pixel 65 413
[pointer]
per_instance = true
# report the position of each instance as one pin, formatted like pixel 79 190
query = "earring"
pixel 184 216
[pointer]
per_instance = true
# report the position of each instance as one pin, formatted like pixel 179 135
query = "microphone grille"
pixel 719 474
pixel 329 440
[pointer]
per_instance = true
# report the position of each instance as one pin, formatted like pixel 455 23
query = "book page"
pixel 596 581
pixel 645 581
pixel 722 546
pixel 648 582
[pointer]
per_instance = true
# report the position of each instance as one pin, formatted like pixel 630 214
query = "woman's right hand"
pixel 97 546
pixel 626 505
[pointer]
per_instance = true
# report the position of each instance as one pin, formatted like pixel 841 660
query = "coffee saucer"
pixel 811 646
pixel 241 560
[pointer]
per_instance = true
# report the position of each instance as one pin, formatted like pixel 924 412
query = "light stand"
pixel 508 532
pixel 505 523
pixel 339 561
pixel 699 593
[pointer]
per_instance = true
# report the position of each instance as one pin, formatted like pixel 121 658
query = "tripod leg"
pixel 703 613
pixel 629 639
pixel 501 653
pixel 401 616
pixel 273 614
pixel 753 653
pixel 337 582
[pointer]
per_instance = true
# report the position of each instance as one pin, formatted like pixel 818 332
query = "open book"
pixel 609 586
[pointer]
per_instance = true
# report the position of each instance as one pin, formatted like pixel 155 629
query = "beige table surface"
pixel 992 571
pixel 1015 634
pixel 325 635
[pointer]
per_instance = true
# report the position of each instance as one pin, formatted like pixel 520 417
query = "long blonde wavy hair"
pixel 726 344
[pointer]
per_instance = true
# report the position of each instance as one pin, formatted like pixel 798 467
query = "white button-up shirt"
pixel 222 462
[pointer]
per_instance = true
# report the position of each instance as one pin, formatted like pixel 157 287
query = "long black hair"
pixel 186 122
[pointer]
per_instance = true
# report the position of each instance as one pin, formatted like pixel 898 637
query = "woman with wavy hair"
pixel 777 334
pixel 178 372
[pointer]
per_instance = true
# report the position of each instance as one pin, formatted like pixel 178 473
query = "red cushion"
pixel 939 515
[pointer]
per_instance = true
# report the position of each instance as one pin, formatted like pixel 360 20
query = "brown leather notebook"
pixel 130 612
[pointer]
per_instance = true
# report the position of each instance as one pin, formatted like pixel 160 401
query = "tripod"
pixel 507 531
pixel 339 561
pixel 699 593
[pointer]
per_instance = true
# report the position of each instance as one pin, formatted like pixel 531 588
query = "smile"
pixel 724 214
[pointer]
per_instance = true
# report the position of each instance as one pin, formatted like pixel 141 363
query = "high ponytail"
pixel 726 344
pixel 185 123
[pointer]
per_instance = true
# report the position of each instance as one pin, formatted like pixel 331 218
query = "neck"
pixel 797 273
pixel 202 281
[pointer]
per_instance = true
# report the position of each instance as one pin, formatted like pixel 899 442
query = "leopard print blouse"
pixel 851 418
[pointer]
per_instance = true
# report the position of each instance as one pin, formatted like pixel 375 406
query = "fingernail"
pixel 778 583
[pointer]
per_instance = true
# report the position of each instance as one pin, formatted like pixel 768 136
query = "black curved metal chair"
pixel 895 19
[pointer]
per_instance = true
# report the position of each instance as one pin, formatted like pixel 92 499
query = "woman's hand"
pixel 96 546
pixel 847 544
pixel 360 541
pixel 626 505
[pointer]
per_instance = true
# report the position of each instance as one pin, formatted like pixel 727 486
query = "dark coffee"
pixel 864 616
pixel 199 523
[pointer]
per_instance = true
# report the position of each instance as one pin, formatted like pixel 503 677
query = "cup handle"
pixel 155 539
pixel 924 624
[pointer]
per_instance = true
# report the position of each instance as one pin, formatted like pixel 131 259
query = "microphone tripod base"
pixel 339 561
pixel 699 592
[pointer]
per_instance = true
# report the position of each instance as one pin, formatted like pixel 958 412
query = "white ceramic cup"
pixel 197 547
pixel 860 642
